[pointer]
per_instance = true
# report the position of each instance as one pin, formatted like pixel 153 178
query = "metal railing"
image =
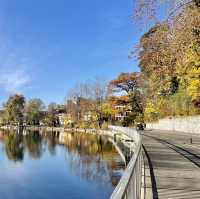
pixel 130 185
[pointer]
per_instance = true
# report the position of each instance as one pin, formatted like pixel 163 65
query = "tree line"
pixel 17 111
pixel 90 104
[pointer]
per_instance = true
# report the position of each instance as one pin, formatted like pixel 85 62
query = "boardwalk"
pixel 174 164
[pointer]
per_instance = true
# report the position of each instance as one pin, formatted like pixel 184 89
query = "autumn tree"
pixel 14 109
pixel 129 84
pixel 149 9
pixel 100 93
pixel 86 102
pixel 169 56
pixel 79 102
pixel 125 82
pixel 51 118
pixel 157 61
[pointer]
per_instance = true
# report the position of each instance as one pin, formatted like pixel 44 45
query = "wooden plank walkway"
pixel 174 164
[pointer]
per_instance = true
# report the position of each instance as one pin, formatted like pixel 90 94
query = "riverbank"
pixel 60 129
pixel 33 128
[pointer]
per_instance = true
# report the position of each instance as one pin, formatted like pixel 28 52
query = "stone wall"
pixel 184 124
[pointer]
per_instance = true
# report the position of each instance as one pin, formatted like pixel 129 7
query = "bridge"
pixel 165 165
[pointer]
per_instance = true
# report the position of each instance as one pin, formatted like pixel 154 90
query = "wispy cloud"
pixel 15 81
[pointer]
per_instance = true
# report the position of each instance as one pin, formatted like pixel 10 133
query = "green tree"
pixel 14 109
pixel 33 111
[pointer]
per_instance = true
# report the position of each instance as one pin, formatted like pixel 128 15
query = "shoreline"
pixel 60 129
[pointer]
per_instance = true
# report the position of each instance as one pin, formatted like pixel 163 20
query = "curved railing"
pixel 130 185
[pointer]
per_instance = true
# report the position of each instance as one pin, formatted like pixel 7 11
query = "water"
pixel 52 165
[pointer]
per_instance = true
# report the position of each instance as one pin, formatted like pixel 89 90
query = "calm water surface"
pixel 50 165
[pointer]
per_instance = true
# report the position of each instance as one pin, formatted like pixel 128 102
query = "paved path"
pixel 174 164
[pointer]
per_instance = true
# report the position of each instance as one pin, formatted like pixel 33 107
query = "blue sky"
pixel 47 46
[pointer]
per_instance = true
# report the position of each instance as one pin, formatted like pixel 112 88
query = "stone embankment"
pixel 60 129
pixel 33 128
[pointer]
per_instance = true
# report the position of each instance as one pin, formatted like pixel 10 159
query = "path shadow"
pixel 192 157
pixel 153 179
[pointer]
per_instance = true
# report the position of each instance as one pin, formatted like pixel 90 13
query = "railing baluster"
pixel 130 184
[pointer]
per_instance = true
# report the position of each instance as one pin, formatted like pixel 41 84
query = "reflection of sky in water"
pixel 53 170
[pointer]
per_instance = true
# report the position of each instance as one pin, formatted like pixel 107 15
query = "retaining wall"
pixel 184 124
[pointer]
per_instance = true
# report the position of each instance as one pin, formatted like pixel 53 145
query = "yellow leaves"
pixel 108 109
pixel 169 58
pixel 194 88
pixel 192 74
pixel 150 108
pixel 192 58
pixel 151 111
pixel 195 71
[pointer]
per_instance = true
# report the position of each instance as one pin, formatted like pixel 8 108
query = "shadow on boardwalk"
pixel 174 167
pixel 194 158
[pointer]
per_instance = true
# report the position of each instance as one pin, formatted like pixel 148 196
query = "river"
pixel 56 165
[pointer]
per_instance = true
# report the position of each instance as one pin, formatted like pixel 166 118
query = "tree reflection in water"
pixel 52 141
pixel 14 146
pixel 92 157
pixel 33 143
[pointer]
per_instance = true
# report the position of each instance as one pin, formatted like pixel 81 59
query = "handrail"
pixel 129 187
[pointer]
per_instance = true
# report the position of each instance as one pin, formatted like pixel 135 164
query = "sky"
pixel 48 46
